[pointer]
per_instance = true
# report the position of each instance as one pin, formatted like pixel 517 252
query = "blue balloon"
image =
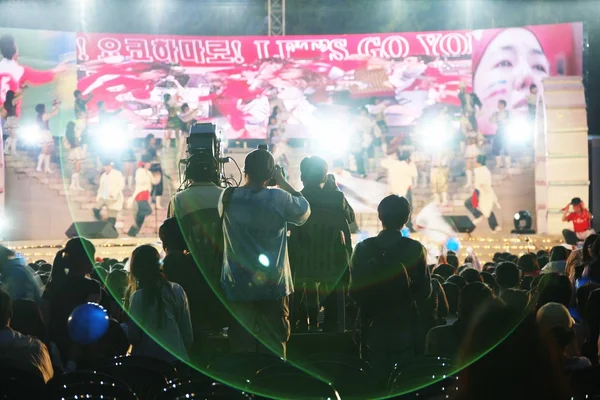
pixel 405 232
pixel 453 244
pixel 88 323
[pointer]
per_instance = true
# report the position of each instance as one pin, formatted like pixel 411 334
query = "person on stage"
pixel 12 120
pixel 500 148
pixel 367 134
pixel 47 141
pixel 173 122
pixel 110 193
pixel 402 175
pixel 76 155
pixel 81 114
pixel 582 222
pixel 472 141
pixel 439 176
pixel 188 118
pixel 141 195
pixel 470 104
pixel 482 201
pixel 152 151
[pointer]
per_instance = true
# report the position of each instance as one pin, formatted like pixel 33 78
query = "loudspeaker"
pixel 460 223
pixel 92 230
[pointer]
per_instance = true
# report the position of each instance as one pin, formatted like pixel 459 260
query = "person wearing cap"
pixel 256 275
pixel 110 193
pixel 582 222
pixel 555 322
pixel 387 303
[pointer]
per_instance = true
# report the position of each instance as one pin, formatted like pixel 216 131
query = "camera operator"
pixel 256 271
pixel 203 192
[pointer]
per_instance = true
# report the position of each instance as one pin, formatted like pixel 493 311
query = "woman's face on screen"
pixel 510 64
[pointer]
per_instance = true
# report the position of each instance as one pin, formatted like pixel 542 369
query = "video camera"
pixel 205 150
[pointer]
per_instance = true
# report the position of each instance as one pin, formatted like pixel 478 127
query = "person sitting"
pixel 445 341
pixel 555 322
pixel 582 222
pixel 508 275
pixel 21 352
pixel 67 290
pixel 389 272
pixel 159 307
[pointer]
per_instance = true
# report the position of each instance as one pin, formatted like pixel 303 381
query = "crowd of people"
pixel 255 263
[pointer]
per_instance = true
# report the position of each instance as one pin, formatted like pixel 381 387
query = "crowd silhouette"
pixel 261 288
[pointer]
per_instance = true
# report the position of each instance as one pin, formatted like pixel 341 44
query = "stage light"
pixel 32 135
pixel 523 223
pixel 332 137
pixel 520 131
pixel 113 138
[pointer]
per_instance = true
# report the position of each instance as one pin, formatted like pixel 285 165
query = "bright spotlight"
pixel 435 134
pixel 520 131
pixel 332 137
pixel 113 138
pixel 32 135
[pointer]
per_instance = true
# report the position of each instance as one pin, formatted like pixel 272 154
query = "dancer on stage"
pixel 481 203
pixel 81 111
pixel 12 120
pixel 141 195
pixel 173 122
pixel 500 148
pixel 188 118
pixel 582 222
pixel 402 175
pixel 47 141
pixel 472 141
pixel 110 193
pixel 439 176
pixel 152 152
pixel 76 155
pixel 470 105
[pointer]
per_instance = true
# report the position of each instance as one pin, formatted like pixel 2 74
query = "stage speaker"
pixel 460 223
pixel 92 230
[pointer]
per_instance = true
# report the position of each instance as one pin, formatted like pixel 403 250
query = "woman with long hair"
pixel 158 308
pixel 12 120
pixel 152 153
pixel 76 154
pixel 69 287
pixel 47 142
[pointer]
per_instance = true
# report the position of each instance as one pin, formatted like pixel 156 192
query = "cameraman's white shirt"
pixel 199 196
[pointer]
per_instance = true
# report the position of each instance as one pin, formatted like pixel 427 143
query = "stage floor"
pixel 484 246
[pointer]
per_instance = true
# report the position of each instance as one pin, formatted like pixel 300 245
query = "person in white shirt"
pixel 439 176
pixel 369 136
pixel 110 193
pixel 481 203
pixel 141 195
pixel 402 175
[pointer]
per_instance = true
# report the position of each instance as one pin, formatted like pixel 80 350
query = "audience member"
pixel 452 292
pixel 389 272
pixel 18 279
pixel 558 260
pixel 471 275
pixel 159 306
pixel 444 270
pixel 490 280
pixel 452 259
pixel 528 265
pixel 526 283
pixel 434 309
pixel 508 275
pixel 313 173
pixel 256 272
pixel 445 341
pixel 457 280
pixel 555 322
pixel 67 290
pixel 21 352
pixel 554 288
pixel 517 300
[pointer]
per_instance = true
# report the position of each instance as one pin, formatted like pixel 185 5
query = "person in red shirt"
pixel 141 195
pixel 582 222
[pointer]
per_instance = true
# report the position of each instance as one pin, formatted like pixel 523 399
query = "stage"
pixel 484 246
